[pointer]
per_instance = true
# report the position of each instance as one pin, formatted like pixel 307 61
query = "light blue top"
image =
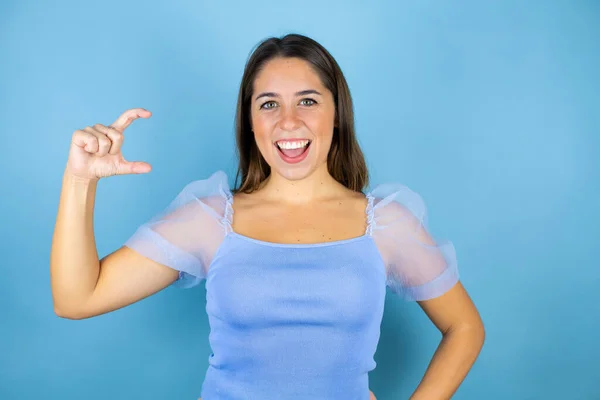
pixel 296 321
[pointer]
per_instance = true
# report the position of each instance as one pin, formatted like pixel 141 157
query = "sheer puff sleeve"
pixel 186 234
pixel 418 267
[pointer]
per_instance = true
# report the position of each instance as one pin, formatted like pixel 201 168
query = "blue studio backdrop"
pixel 489 110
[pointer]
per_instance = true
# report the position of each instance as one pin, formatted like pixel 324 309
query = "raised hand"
pixel 96 151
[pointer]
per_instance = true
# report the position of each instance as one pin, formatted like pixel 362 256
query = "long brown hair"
pixel 345 161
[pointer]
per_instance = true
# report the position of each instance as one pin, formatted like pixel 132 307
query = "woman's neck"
pixel 317 186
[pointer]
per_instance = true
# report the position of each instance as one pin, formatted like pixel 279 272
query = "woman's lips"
pixel 293 156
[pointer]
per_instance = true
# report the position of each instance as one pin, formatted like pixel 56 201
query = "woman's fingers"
pixel 128 117
pixel 114 135
pixel 101 145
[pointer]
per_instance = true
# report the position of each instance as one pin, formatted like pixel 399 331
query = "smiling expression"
pixel 292 116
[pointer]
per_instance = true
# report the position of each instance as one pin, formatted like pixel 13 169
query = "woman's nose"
pixel 289 119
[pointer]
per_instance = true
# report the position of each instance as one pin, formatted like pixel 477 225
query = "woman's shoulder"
pixel 396 200
pixel 215 184
pixel 210 194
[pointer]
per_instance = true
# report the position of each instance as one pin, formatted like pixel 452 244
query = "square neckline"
pixel 299 245
pixel 228 221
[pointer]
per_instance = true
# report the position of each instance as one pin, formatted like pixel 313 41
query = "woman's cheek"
pixel 264 146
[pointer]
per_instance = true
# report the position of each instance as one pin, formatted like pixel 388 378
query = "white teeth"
pixel 292 145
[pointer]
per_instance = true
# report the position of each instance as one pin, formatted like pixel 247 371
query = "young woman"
pixel 296 257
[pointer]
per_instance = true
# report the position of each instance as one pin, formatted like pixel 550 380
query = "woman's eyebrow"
pixel 301 93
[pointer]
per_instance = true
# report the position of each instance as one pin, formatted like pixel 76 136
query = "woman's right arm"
pixel 82 285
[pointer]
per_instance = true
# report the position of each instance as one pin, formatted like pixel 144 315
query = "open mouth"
pixel 293 151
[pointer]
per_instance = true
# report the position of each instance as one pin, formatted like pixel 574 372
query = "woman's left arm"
pixel 463 334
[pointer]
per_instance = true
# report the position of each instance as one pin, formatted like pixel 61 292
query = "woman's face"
pixel 292 116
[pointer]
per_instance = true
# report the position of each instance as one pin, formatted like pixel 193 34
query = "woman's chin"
pixel 296 172
pixel 293 173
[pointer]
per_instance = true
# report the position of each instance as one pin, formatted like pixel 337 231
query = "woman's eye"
pixel 272 104
pixel 265 104
pixel 311 102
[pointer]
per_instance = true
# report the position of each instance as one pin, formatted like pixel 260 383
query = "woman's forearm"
pixel 74 264
pixel 450 364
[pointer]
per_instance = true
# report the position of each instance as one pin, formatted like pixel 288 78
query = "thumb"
pixel 133 167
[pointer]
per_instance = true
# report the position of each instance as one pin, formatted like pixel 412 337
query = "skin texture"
pixel 297 203
pixel 286 115
pixel 82 285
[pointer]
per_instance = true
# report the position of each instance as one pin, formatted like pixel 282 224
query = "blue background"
pixel 490 112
